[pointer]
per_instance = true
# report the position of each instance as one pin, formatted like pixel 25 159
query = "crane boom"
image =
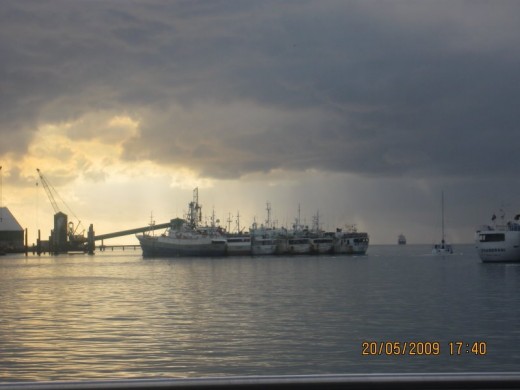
pixel 48 190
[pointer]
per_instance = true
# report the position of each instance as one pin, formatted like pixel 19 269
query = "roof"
pixel 7 221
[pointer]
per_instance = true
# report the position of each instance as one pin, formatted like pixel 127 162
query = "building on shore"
pixel 11 233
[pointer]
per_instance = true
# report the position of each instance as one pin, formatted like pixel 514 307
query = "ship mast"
pixel 442 221
pixel 268 221
pixel 195 215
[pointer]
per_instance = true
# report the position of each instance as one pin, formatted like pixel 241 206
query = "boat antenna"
pixel 442 207
pixel 229 220
pixel 238 221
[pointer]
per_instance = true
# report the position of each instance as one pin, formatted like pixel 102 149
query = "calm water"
pixel 115 315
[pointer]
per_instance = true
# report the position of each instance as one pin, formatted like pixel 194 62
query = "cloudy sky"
pixel 362 110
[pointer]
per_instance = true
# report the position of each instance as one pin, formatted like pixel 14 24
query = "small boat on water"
pixel 500 242
pixel 401 240
pixel 443 248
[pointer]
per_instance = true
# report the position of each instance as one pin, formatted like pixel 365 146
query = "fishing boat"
pixel 443 248
pixel 401 239
pixel 294 246
pixel 500 242
pixel 263 245
pixel 185 237
pixel 320 243
pixel 350 242
pixel 238 244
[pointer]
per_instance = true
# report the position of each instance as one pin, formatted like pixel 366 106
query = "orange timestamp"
pixel 422 348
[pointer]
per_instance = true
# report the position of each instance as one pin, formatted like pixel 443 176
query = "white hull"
pixel 263 247
pixel 166 246
pixel 238 246
pixel 351 243
pixel 322 245
pixel 494 246
pixel 442 251
pixel 295 246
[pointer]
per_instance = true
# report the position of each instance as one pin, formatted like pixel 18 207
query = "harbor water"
pixel 397 309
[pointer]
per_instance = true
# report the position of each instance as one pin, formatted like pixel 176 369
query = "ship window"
pixel 492 237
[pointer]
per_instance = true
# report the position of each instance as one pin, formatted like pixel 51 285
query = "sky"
pixel 364 111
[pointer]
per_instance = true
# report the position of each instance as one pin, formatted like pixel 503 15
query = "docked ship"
pixel 263 241
pixel 238 244
pixel 185 237
pixel 401 239
pixel 320 243
pixel 500 242
pixel 350 242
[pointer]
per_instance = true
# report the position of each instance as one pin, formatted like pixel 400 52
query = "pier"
pixel 92 238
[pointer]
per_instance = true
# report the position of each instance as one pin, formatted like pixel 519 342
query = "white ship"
pixel 499 243
pixel 263 244
pixel 238 245
pixel 186 237
pixel 350 242
pixel 294 246
pixel 322 245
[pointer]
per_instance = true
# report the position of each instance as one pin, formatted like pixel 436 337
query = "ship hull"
pixel 261 247
pixel 294 246
pixel 165 247
pixel 238 246
pixel 495 246
pixel 351 244
pixel 321 246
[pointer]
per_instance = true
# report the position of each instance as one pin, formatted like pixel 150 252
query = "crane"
pixel 49 189
pixel 75 241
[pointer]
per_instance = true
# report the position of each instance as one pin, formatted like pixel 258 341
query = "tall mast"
pixel 238 222
pixel 442 207
pixel 268 221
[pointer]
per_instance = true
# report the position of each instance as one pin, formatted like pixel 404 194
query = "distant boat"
pixel 442 248
pixel 499 243
pixel 401 240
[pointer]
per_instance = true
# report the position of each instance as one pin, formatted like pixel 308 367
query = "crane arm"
pixel 48 190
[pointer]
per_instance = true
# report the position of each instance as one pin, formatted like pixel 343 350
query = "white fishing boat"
pixel 296 246
pixel 186 237
pixel 321 245
pixel 263 245
pixel 500 242
pixel 238 245
pixel 443 248
pixel 350 242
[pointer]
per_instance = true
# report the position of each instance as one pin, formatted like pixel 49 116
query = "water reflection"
pixel 118 316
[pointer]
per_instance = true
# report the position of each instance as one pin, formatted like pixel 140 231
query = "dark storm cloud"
pixel 232 87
